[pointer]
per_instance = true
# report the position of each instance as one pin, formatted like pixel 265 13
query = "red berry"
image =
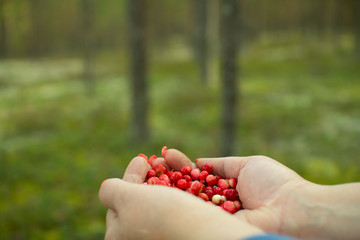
pixel 165 178
pixel 209 192
pixel 229 206
pixel 159 169
pixel 196 187
pixel 218 190
pixel 223 184
pixel 175 176
pixel 169 172
pixel 211 180
pixel 218 176
pixel 207 167
pixel 237 205
pixel 195 174
pixel 182 184
pixel 151 173
pixel 161 182
pixel 208 188
pixel 232 182
pixel 153 180
pixel 231 194
pixel 187 178
pixel 203 175
pixel 203 196
pixel 185 170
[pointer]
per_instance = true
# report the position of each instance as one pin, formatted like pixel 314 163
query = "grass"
pixel 299 105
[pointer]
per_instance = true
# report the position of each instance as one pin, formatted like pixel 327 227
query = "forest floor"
pixel 298 105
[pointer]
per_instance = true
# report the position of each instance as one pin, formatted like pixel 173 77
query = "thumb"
pixel 113 191
pixel 176 159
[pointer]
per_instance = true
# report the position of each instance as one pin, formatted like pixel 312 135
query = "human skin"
pixel 278 200
pixel 275 198
pixel 138 211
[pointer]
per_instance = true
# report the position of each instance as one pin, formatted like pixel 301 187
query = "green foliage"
pixel 299 105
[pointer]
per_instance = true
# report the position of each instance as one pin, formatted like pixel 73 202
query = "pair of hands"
pixel 266 190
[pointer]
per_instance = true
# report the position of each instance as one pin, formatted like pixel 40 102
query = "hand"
pixel 138 211
pixel 268 190
pixel 278 200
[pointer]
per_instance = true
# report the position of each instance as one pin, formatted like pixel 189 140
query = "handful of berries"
pixel 200 182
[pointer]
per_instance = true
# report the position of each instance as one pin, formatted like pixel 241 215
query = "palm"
pixel 265 188
pixel 262 179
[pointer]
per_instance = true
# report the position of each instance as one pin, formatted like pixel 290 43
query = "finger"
pixel 177 159
pixel 161 160
pixel 228 167
pixel 111 193
pixel 136 170
pixel 110 218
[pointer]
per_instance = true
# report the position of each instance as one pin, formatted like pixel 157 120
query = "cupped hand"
pixel 268 190
pixel 138 211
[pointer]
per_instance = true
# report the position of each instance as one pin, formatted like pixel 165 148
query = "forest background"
pixel 87 85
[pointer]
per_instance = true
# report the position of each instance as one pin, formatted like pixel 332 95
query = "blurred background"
pixel 86 85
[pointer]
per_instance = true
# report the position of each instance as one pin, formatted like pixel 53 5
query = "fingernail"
pixel 103 182
pixel 163 151
pixel 196 160
pixel 143 155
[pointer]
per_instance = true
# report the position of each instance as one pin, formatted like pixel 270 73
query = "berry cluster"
pixel 200 182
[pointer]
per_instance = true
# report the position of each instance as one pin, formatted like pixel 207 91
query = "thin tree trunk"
pixel 3 43
pixel 229 30
pixel 357 28
pixel 88 17
pixel 318 17
pixel 336 23
pixel 138 68
pixel 38 42
pixel 213 43
pixel 201 8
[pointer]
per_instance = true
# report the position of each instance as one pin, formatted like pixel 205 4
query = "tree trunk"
pixel 213 43
pixel 88 16
pixel 357 28
pixel 3 43
pixel 229 30
pixel 38 41
pixel 337 23
pixel 318 17
pixel 201 8
pixel 138 68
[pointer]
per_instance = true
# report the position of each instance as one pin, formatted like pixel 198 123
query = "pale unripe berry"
pixel 217 199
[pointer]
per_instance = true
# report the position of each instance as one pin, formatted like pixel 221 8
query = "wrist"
pixel 313 210
pixel 299 216
pixel 322 211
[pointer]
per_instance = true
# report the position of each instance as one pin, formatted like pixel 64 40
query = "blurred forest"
pixel 87 85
